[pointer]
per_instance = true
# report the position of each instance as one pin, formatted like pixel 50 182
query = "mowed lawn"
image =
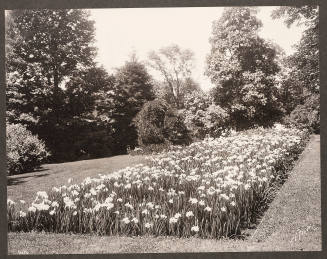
pixel 292 222
pixel 25 186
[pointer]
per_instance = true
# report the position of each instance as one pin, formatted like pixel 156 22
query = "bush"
pixel 25 152
pixel 158 123
pixel 175 130
pixel 202 117
pixel 150 122
pixel 93 142
pixel 79 139
pixel 307 115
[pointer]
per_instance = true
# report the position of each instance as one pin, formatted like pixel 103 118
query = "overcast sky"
pixel 119 32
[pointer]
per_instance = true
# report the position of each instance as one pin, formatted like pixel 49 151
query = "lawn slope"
pixel 25 186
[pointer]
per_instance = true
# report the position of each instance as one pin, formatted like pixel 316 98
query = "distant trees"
pixel 291 91
pixel 175 66
pixel 55 88
pixel 86 128
pixel 162 91
pixel 242 66
pixel 203 117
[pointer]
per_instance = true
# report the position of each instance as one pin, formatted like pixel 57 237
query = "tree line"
pixel 57 90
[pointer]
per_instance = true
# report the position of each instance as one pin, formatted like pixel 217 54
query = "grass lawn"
pixel 292 222
pixel 25 186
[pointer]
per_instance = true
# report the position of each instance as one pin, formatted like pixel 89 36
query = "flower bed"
pixel 210 189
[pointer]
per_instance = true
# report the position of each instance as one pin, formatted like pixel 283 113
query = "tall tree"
pixel 47 47
pixel 306 58
pixel 242 66
pixel 162 91
pixel 133 88
pixel 53 84
pixel 175 66
pixel 304 67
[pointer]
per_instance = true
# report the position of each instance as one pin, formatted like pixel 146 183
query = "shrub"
pixel 150 122
pixel 175 130
pixel 202 117
pixel 80 139
pixel 158 123
pixel 307 115
pixel 94 142
pixel 25 151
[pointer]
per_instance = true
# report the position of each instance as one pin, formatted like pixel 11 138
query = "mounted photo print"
pixel 163 130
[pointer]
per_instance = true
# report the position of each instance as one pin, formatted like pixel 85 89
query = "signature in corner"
pixel 301 233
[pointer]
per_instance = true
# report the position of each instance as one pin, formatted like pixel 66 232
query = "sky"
pixel 122 31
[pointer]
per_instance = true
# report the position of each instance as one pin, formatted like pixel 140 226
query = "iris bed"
pixel 211 189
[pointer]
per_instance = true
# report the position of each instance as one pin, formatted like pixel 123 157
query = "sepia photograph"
pixel 163 130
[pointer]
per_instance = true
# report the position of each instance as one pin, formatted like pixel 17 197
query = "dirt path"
pixel 292 223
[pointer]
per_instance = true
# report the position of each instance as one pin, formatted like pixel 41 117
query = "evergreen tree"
pixel 133 88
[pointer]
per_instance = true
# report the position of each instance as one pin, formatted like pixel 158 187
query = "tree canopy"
pixel 46 48
pixel 306 58
pixel 57 41
pixel 52 79
pixel 58 92
pixel 242 66
pixel 175 66
pixel 133 87
pixel 302 83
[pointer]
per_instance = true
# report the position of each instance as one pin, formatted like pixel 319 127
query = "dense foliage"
pixel 306 115
pixel 188 87
pixel 44 49
pixel 203 117
pixel 79 111
pixel 25 152
pixel 175 130
pixel 303 79
pixel 158 123
pixel 133 88
pixel 51 75
pixel 306 58
pixel 242 66
pixel 57 91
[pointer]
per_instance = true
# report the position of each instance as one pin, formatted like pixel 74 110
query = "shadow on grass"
pixel 16 179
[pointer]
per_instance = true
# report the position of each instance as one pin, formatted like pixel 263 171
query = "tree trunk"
pixel 56 96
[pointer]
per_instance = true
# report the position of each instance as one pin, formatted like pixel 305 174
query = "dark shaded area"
pixel 16 180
